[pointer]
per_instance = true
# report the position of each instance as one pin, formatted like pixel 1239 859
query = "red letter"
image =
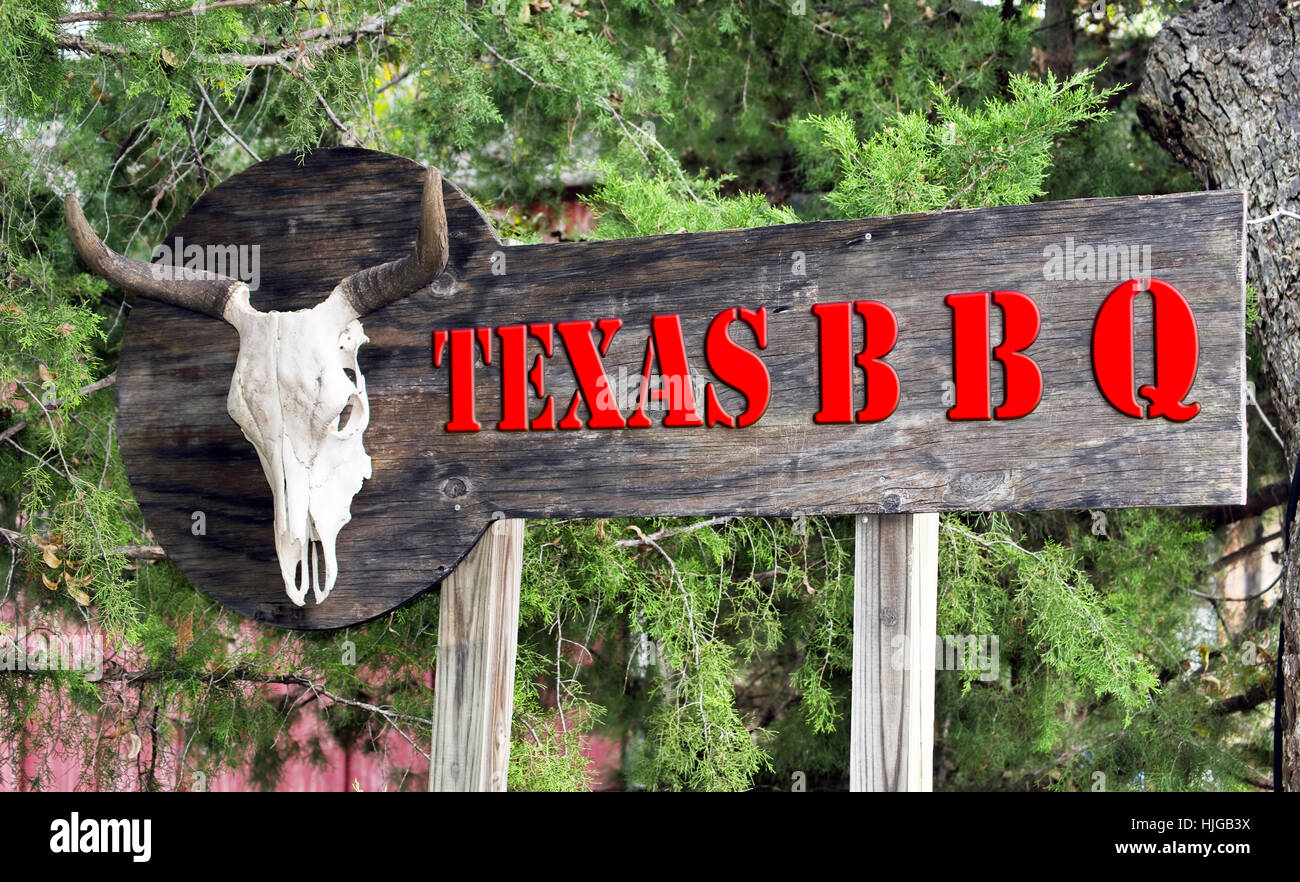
pixel 882 382
pixel 545 419
pixel 439 344
pixel 837 361
pixel 970 355
pixel 1024 382
pixel 737 367
pixel 674 381
pixel 1176 347
pixel 1024 387
pixel 593 384
pixel 514 378
pixel 462 375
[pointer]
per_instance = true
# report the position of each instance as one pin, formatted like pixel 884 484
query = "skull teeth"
pixel 308 574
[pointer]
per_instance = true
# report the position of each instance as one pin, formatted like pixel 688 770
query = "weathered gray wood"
pixel 474 682
pixel 433 492
pixel 895 584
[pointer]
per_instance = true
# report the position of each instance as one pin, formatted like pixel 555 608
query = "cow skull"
pixel 297 392
pixel 304 414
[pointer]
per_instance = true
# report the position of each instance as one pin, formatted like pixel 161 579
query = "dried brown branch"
pixel 329 38
pixel 1245 550
pixel 115 674
pixel 78 43
pixel 84 390
pixel 1263 499
pixel 161 14
pixel 1251 698
pixel 338 123
pixel 130 552
pixel 644 541
pixel 221 122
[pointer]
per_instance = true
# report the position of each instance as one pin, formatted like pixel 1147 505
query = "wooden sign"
pixel 1083 354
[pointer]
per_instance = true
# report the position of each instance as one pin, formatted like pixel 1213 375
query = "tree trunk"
pixel 1221 91
pixel 1058 37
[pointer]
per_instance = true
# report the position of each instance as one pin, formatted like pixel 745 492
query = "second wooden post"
pixel 895 587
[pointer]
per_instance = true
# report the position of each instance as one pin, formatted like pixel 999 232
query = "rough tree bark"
pixel 1222 92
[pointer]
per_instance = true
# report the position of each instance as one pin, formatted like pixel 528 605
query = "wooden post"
pixel 895 583
pixel 473 690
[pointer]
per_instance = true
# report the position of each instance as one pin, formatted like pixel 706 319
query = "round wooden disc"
pixel 198 480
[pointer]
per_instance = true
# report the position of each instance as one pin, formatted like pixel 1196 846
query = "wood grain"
pixel 474 685
pixel 433 492
pixel 895 591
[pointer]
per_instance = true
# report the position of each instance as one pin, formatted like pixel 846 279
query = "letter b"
pixel 971 348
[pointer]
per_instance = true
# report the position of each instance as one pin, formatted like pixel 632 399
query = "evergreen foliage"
pixel 717 653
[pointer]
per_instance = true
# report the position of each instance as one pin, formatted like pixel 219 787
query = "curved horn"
pixel 192 289
pixel 378 286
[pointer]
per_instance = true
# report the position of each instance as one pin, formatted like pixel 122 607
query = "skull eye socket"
pixel 351 375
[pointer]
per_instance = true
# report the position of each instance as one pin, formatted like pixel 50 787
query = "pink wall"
pixel 397 766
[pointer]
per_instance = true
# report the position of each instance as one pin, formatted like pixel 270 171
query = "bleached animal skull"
pixel 297 392
pixel 305 416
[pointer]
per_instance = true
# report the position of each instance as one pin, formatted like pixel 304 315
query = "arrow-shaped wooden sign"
pixel 1083 354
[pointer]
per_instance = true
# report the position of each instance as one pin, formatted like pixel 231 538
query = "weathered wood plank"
pixel 474 682
pixel 895 590
pixel 433 492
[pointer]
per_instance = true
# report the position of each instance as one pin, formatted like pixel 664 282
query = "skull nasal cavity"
pixel 352 375
pixel 354 404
